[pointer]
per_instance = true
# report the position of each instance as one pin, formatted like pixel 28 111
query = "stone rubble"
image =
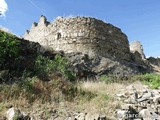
pixel 16 114
pixel 144 105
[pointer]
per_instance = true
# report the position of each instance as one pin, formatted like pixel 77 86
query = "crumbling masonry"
pixel 80 34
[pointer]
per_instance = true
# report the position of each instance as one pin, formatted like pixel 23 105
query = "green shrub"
pixel 62 64
pixel 45 66
pixel 153 80
pixel 8 47
pixel 26 85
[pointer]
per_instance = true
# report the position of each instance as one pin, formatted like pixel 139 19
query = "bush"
pixel 45 66
pixel 26 85
pixel 153 80
pixel 8 47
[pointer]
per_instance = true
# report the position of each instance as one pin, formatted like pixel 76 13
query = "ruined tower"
pixel 81 34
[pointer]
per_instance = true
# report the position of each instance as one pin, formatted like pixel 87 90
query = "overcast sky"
pixel 138 19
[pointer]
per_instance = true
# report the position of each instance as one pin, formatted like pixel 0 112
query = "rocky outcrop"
pixel 154 61
pixel 86 66
pixel 81 34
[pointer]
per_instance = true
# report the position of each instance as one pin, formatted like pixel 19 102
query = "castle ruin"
pixel 137 46
pixel 80 34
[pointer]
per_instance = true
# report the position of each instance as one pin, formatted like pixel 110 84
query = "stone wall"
pixel 81 34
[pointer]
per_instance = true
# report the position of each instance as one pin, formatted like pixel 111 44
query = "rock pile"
pixel 87 116
pixel 139 102
pixel 16 114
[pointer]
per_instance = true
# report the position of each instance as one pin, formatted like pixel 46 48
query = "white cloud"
pixel 5 29
pixel 3 7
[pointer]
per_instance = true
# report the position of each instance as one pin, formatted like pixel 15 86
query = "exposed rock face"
pixel 154 61
pixel 88 67
pixel 81 34
pixel 136 46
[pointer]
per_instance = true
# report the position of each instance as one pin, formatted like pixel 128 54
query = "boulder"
pixel 145 97
pixel 156 99
pixel 148 115
pixel 16 114
pixel 80 116
pixel 121 114
pixel 95 117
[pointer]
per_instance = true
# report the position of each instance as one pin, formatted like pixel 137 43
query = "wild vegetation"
pixel 15 60
pixel 8 48
pixel 47 80
pixel 153 80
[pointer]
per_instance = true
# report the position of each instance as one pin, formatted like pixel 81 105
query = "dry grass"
pixel 35 93
pixel 102 87
pixel 91 97
pixel 105 102
pixel 45 95
pixel 28 94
